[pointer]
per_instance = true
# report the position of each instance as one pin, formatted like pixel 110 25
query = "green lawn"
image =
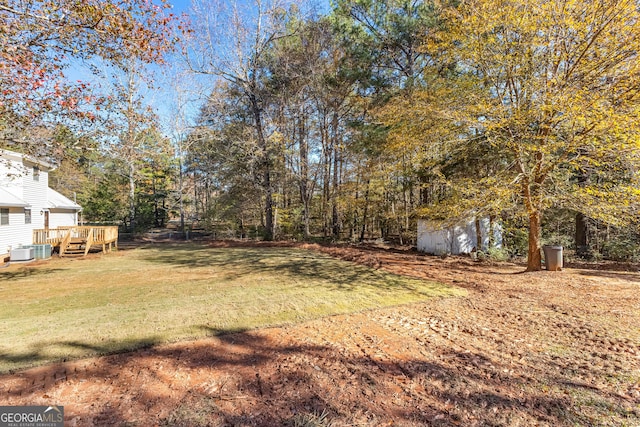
pixel 72 308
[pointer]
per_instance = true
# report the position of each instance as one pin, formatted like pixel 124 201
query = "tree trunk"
pixel 492 239
pixel 132 198
pixel 266 165
pixel 582 243
pixel 534 257
pixel 268 208
pixel 581 236
pixel 478 235
pixel 181 189
pixel 154 195
pixel 353 230
pixel 194 181
pixel 335 221
pixel 304 175
pixel 326 177
pixel 532 192
pixel 365 213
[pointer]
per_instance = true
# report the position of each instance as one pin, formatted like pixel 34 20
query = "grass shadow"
pixel 63 351
pixel 26 272
pixel 165 291
pixel 287 263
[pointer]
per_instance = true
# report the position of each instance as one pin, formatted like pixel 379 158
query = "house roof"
pixel 56 200
pixel 9 200
pixel 25 157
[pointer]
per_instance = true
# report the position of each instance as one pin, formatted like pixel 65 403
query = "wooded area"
pixel 347 125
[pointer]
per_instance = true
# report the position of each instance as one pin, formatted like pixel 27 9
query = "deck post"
pixel 62 237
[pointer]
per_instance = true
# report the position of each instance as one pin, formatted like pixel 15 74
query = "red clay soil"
pixel 534 349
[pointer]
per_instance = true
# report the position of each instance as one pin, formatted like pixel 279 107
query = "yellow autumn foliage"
pixel 552 87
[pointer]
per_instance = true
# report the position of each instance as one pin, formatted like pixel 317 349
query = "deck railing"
pixel 65 242
pixel 54 236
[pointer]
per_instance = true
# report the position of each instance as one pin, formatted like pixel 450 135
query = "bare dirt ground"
pixel 535 349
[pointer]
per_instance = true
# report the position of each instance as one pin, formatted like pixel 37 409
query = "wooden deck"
pixel 77 240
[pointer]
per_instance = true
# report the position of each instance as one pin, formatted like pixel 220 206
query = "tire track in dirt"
pixel 546 349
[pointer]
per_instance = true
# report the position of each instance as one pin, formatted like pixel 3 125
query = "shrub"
pixel 621 250
pixel 494 254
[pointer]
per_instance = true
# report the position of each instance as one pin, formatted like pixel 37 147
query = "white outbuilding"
pixel 435 238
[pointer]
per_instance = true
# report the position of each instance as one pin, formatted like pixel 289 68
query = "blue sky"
pixel 183 6
pixel 180 6
pixel 165 99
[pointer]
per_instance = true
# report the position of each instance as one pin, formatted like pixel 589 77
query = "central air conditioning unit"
pixel 39 251
pixel 21 254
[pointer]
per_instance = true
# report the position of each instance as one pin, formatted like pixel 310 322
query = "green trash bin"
pixel 553 257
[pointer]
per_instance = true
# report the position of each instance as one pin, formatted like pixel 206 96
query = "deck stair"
pixel 73 249
pixel 78 240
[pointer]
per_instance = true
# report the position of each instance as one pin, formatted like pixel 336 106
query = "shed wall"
pixel 455 240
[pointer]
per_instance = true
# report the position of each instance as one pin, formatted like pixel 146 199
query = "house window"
pixel 27 216
pixel 36 173
pixel 4 216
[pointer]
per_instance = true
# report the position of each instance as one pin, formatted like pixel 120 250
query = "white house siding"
pixel 14 234
pixel 459 239
pixel 12 174
pixel 19 187
pixel 35 193
pixel 62 210
pixel 62 218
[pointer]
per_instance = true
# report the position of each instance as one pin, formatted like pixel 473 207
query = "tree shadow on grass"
pixel 296 268
pixel 286 263
pixel 26 272
pixel 62 351
pixel 249 379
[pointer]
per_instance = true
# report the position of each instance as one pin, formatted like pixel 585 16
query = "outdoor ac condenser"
pixel 39 251
pixel 21 254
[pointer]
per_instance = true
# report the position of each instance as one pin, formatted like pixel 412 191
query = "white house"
pixel 27 203
pixel 459 239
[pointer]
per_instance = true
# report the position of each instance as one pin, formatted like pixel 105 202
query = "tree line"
pixel 353 124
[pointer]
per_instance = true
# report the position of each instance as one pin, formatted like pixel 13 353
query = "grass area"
pixel 73 308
